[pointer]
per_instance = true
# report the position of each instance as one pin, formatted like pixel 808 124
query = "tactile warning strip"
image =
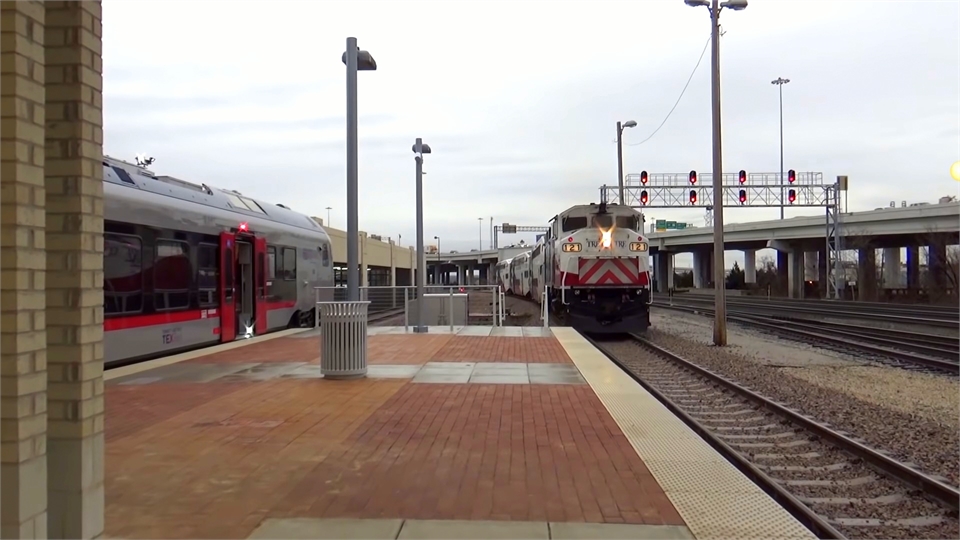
pixel 714 498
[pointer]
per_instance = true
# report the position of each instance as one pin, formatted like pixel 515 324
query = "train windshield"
pixel 574 223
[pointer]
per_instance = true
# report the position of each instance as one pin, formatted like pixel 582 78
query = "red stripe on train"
pixel 157 319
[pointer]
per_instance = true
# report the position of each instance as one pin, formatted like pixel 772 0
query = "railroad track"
pixel 911 350
pixel 833 483
pixel 930 316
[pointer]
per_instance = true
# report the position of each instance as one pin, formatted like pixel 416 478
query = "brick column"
pixel 23 355
pixel 74 182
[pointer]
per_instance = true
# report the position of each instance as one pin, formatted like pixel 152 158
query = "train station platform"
pixel 452 435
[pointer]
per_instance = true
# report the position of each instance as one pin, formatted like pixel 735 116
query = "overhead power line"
pixel 692 73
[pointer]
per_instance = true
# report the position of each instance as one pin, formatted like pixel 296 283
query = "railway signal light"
pixel 743 177
pixel 791 176
pixel 792 196
pixel 693 196
pixel 643 197
pixel 693 178
pixel 743 196
pixel 643 177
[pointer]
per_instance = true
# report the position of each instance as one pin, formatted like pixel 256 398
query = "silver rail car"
pixel 188 265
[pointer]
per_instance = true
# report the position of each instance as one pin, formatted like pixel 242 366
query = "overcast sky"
pixel 519 101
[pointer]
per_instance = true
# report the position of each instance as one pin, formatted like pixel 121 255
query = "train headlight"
pixel 606 239
pixel 572 247
pixel 638 246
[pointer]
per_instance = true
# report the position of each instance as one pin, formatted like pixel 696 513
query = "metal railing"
pixel 485 303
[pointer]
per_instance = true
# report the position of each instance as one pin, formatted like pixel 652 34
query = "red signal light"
pixel 743 196
pixel 693 196
pixel 693 177
pixel 644 178
pixel 643 197
pixel 743 177
pixel 791 176
pixel 792 196
pixel 243 227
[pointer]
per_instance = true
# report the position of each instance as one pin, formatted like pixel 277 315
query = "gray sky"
pixel 519 101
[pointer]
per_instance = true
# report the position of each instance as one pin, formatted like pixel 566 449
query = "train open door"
pixel 228 308
pixel 260 300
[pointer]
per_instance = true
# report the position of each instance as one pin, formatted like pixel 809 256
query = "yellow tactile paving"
pixel 714 498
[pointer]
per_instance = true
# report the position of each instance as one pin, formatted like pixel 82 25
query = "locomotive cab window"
pixel 574 223
pixel 122 274
pixel 289 270
pixel 172 274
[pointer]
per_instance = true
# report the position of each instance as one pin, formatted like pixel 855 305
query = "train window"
pixel 627 222
pixel 124 177
pixel 172 274
pixel 252 204
pixel 325 254
pixel 289 264
pixel 122 274
pixel 271 262
pixel 574 223
pixel 207 274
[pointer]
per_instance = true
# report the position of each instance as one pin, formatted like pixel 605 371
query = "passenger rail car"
pixel 503 275
pixel 188 265
pixel 520 274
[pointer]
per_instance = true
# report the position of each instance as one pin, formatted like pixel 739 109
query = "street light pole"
pixel 620 128
pixel 480 231
pixel 355 60
pixel 719 273
pixel 328 215
pixel 419 149
pixel 780 82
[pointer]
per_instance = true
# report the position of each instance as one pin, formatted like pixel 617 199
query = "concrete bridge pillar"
pixel 702 268
pixel 867 274
pixel 810 265
pixel 782 271
pixel 750 265
pixel 663 270
pixel 795 273
pixel 936 264
pixel 913 267
pixel 891 268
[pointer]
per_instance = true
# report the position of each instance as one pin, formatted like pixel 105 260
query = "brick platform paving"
pixel 501 349
pixel 214 459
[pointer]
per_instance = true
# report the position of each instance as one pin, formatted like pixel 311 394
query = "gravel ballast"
pixel 914 416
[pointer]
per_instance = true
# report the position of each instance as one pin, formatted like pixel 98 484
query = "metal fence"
pixel 484 303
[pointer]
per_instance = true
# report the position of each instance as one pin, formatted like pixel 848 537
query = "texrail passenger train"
pixel 593 265
pixel 188 265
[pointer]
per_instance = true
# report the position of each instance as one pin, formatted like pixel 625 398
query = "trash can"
pixel 343 339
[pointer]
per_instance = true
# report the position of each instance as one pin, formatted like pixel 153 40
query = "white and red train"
pixel 593 265
pixel 188 265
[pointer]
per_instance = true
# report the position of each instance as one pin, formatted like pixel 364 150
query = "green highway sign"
pixel 664 225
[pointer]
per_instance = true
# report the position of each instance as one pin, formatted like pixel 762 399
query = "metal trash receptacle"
pixel 343 339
